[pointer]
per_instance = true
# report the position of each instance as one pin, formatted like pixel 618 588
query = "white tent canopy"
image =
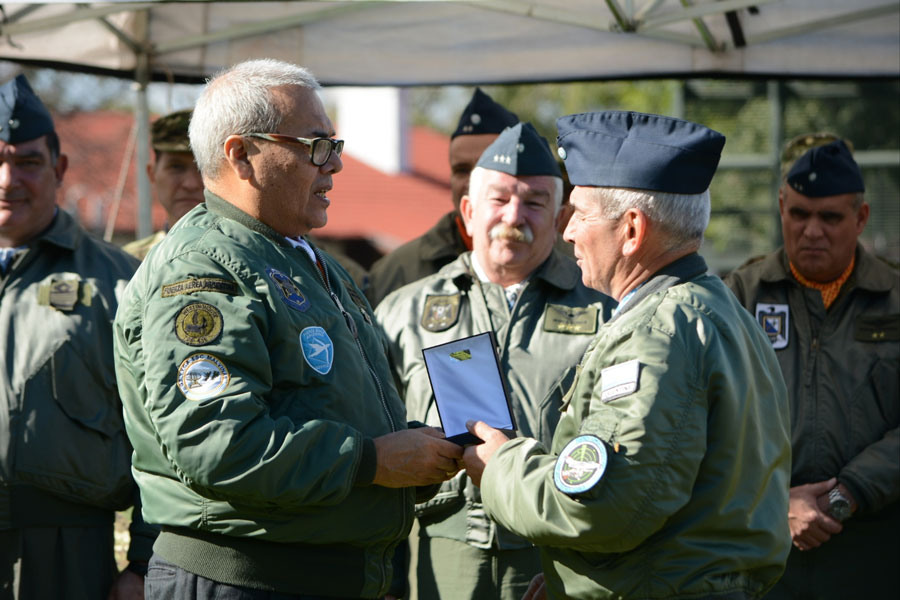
pixel 431 42
pixel 447 41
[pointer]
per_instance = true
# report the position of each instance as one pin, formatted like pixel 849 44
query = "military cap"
pixel 798 146
pixel 520 150
pixel 827 170
pixel 483 115
pixel 170 133
pixel 636 150
pixel 23 117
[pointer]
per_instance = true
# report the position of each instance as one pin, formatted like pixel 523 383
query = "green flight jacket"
pixel 693 501
pixel 64 455
pixel 253 424
pixel 842 368
pixel 540 341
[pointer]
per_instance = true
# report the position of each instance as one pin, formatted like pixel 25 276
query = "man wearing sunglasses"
pixel 270 443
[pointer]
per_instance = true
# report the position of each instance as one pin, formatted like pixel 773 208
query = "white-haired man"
pixel 270 444
pixel 517 285
pixel 668 469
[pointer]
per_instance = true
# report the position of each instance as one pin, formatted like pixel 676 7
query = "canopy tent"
pixel 430 42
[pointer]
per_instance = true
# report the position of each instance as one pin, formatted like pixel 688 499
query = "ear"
pixel 466 209
pixel 862 217
pixel 62 163
pixel 151 173
pixel 237 156
pixel 634 228
pixel 781 201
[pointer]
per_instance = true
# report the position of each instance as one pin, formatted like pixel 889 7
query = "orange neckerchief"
pixel 828 290
pixel 462 232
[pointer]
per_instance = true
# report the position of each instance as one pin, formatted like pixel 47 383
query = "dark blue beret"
pixel 483 115
pixel 636 150
pixel 23 117
pixel 520 150
pixel 827 170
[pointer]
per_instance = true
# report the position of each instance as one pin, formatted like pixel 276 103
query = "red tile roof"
pixel 388 209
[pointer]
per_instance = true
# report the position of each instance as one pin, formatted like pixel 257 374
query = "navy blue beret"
pixel 827 170
pixel 520 150
pixel 23 117
pixel 483 115
pixel 641 151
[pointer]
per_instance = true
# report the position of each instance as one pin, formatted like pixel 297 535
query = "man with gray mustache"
pixel 530 295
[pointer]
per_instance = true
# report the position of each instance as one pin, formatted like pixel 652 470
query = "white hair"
pixel 236 101
pixel 476 183
pixel 683 217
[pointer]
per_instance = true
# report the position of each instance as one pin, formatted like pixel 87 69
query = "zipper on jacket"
pixel 351 325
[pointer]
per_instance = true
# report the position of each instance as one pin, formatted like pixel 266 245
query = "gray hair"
pixel 476 183
pixel 683 217
pixel 236 101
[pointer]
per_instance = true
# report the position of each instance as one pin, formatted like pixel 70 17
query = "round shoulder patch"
pixel 318 350
pixel 198 324
pixel 202 376
pixel 580 465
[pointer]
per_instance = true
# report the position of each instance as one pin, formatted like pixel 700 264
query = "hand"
pixel 536 589
pixel 811 525
pixel 414 457
pixel 476 457
pixel 127 586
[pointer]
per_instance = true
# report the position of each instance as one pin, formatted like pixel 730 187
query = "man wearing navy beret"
pixel 832 313
pixel 667 475
pixel 65 461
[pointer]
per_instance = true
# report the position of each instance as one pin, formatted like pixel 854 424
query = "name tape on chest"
pixel 64 294
pixel 570 319
pixel 200 284
pixel 775 319
pixel 619 380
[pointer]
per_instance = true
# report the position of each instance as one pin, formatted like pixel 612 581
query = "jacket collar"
pixel 63 232
pixel 443 239
pixel 869 274
pixel 683 269
pixel 223 208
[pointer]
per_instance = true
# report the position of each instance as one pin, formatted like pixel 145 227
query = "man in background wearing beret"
pixel 832 313
pixel 64 457
pixel 667 476
pixel 173 174
pixel 479 125
pixel 530 295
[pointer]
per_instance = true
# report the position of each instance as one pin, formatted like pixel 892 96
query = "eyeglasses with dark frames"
pixel 320 148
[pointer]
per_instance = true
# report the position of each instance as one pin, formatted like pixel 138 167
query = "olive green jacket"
pixel 253 388
pixel 540 340
pixel 64 455
pixel 683 391
pixel 842 368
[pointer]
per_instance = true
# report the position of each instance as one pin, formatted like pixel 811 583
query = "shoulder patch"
pixel 198 324
pixel 200 284
pixel 440 312
pixel 619 380
pixel 202 376
pixel 775 320
pixel 580 465
pixel 288 290
pixel 318 349
pixel 570 319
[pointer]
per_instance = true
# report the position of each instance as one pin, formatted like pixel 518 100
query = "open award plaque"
pixel 467 384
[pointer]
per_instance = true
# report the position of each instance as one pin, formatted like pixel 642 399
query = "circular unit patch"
pixel 580 465
pixel 198 324
pixel 202 376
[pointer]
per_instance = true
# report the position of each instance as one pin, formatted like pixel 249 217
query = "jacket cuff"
pixel 365 473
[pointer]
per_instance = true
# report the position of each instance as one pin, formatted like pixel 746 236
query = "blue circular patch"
pixel 318 350
pixel 580 465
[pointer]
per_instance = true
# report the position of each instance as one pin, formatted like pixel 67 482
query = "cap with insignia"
pixel 23 117
pixel 798 146
pixel 636 150
pixel 827 170
pixel 520 150
pixel 483 115
pixel 170 133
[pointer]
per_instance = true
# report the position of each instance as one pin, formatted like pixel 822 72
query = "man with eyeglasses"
pixel 831 311
pixel 269 441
